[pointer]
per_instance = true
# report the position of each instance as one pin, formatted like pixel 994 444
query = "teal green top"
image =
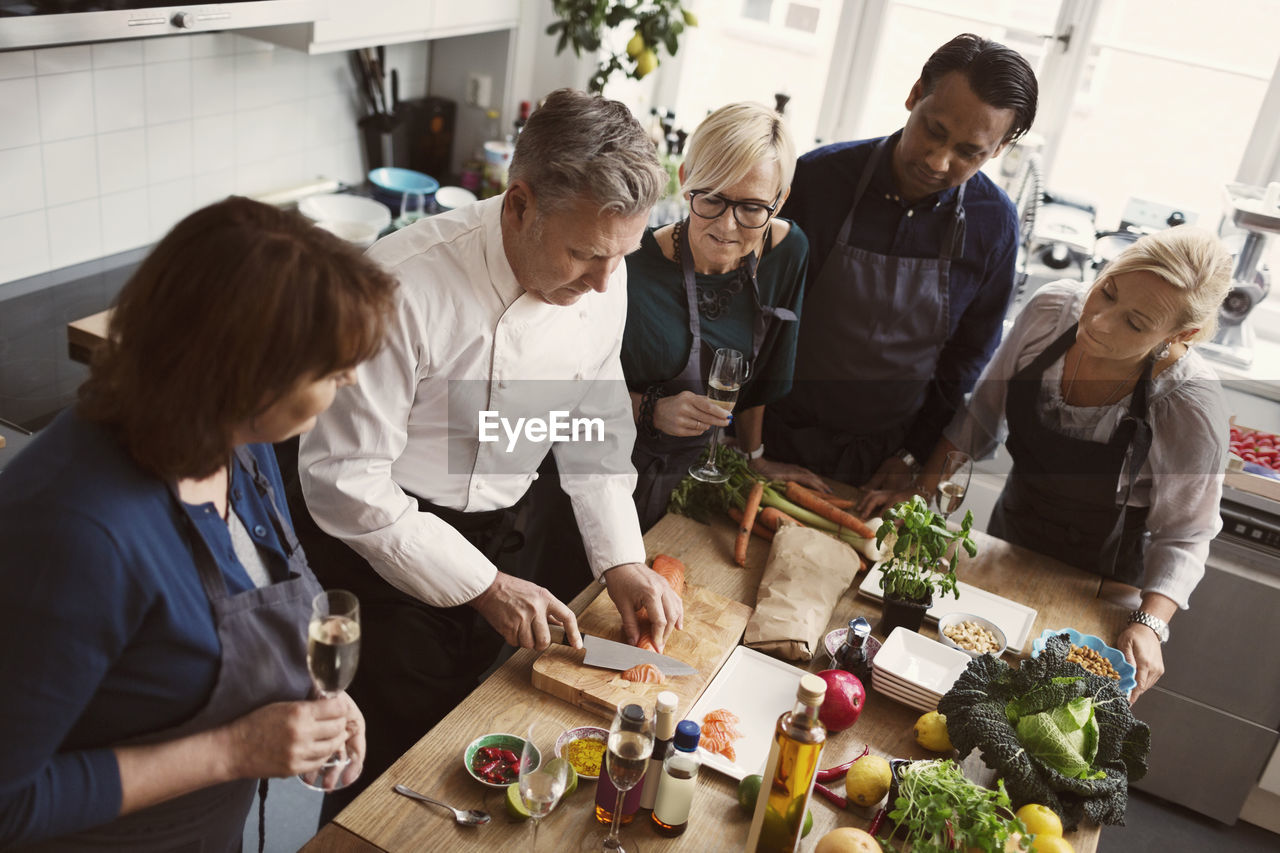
pixel 655 345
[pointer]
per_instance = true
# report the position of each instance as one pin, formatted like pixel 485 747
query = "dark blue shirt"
pixel 108 631
pixel 981 280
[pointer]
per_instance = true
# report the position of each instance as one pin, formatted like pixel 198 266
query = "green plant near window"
pixel 658 25
pixel 919 566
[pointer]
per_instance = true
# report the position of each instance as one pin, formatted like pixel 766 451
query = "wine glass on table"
pixel 953 482
pixel 542 782
pixel 728 371
pixel 333 650
pixel 630 745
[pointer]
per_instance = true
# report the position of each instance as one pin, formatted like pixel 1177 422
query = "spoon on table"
pixel 468 817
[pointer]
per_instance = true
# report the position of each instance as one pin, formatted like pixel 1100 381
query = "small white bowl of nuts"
pixel 971 634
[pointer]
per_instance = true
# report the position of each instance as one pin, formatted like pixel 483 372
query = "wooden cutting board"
pixel 713 625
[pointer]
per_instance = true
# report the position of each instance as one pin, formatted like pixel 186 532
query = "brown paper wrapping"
pixel 806 574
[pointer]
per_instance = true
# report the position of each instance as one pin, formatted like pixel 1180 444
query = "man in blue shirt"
pixel 913 254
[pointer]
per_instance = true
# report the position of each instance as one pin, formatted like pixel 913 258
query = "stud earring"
pixel 1163 352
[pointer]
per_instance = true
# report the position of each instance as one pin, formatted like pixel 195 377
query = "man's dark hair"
pixel 998 75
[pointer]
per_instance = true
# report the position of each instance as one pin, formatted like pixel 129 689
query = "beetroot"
pixel 844 700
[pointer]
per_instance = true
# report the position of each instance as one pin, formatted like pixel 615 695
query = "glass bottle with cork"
pixel 664 729
pixel 790 773
pixel 679 776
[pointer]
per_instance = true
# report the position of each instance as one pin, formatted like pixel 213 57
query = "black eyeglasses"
pixel 749 214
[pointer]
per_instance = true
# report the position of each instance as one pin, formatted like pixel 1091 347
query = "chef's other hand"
pixel 289 738
pixel 686 414
pixel 635 585
pixel 773 470
pixel 1141 647
pixel 873 504
pixel 519 610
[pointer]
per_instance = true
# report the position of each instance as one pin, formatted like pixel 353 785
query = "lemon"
pixel 749 790
pixel 646 62
pixel 1050 844
pixel 1040 820
pixel 931 732
pixel 571 779
pixel 515 806
pixel 868 780
pixel 689 18
pixel 635 47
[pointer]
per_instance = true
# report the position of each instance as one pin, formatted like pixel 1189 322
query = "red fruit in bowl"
pixel 844 700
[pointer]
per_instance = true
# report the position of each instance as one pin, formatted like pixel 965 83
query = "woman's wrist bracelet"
pixel 647 403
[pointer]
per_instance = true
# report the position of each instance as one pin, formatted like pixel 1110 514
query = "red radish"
pixel 844 700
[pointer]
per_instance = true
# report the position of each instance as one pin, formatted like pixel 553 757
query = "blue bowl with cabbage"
pixel 1114 656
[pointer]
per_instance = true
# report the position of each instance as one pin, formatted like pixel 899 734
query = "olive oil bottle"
pixel 790 773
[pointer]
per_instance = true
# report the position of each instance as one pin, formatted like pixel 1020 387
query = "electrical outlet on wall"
pixel 479 90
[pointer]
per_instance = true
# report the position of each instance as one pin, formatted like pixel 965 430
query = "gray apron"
pixel 662 462
pixel 263 636
pixel 1060 497
pixel 872 331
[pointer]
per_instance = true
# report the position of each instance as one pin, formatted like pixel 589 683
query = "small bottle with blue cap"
pixel 679 776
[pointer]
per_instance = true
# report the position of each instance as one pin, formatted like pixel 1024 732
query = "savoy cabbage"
pixel 988 701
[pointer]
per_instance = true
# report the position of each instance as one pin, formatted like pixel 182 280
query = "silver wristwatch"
pixel 1155 623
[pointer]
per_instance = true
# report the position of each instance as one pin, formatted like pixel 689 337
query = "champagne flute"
pixel 728 371
pixel 333 650
pixel 630 745
pixel 953 482
pixel 542 783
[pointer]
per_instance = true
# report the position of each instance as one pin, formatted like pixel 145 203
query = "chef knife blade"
pixel 608 654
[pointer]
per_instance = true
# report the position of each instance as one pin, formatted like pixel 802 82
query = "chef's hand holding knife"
pixel 519 610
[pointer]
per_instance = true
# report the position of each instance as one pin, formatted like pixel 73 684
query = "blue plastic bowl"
pixel 397 181
pixel 1115 656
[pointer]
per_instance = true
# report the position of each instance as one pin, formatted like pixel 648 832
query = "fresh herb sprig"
pixel 914 571
pixel 940 810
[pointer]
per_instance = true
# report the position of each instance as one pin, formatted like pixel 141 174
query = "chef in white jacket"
pixel 507 309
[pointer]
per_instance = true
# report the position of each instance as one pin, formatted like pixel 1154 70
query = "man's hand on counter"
pixel 519 610
pixel 1141 647
pixel 635 585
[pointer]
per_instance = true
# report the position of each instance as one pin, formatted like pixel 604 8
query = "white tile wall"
pixel 105 147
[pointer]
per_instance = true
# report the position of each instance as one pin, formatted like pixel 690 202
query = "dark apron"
pixel 262 632
pixel 1060 497
pixel 869 342
pixel 661 462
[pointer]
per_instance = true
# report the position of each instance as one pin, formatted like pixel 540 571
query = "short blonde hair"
pixel 1192 260
pixel 732 141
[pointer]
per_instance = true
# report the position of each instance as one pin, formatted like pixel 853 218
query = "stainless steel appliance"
pixel 1215 714
pixel 33 23
pixel 1259 217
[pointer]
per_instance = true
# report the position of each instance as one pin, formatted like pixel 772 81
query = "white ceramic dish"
pixel 888 679
pixel 342 207
pixel 362 234
pixel 1014 619
pixel 1115 656
pixel 921 662
pixel 909 699
pixel 757 688
pixel 956 618
pixel 452 198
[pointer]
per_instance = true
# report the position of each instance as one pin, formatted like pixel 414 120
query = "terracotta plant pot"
pixel 903 612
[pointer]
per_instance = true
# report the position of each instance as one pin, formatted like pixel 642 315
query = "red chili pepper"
pixel 878 820
pixel 831 795
pixel 508 756
pixel 833 773
pixel 488 768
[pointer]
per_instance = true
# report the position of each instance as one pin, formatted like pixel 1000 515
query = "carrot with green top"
pixel 838 503
pixel 758 529
pixel 748 521
pixel 773 518
pixel 814 502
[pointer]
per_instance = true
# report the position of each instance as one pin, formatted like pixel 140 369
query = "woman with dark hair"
pixel 156 599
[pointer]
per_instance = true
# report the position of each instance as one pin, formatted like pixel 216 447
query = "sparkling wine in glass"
pixel 333 650
pixel 630 745
pixel 542 782
pixel 957 468
pixel 728 371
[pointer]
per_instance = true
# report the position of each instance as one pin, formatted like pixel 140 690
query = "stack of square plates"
pixel 915 670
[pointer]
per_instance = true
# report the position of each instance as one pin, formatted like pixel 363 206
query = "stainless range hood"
pixel 42 23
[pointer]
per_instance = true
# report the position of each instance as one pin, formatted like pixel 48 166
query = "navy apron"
pixel 661 462
pixel 262 632
pixel 872 331
pixel 1060 497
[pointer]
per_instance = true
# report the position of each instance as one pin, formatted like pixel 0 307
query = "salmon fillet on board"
pixel 672 571
pixel 645 673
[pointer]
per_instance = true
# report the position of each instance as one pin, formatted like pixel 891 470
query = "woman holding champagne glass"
pixel 730 276
pixel 157 598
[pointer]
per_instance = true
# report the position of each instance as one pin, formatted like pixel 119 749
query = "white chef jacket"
pixel 1181 480
pixel 464 330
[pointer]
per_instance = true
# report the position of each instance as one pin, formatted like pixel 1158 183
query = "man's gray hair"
pixel 577 145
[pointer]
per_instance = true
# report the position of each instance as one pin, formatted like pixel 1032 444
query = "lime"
pixel 515 806
pixel 1040 820
pixel 775 832
pixel 571 780
pixel 792 812
pixel 931 732
pixel 748 791
pixel 868 780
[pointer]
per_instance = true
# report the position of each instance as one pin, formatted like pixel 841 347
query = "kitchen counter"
pixel 382 820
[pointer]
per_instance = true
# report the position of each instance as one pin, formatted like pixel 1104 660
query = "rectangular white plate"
pixel 888 682
pixel 917 660
pixel 1013 618
pixel 908 699
pixel 757 688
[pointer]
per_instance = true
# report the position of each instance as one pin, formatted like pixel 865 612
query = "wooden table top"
pixel 382 820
